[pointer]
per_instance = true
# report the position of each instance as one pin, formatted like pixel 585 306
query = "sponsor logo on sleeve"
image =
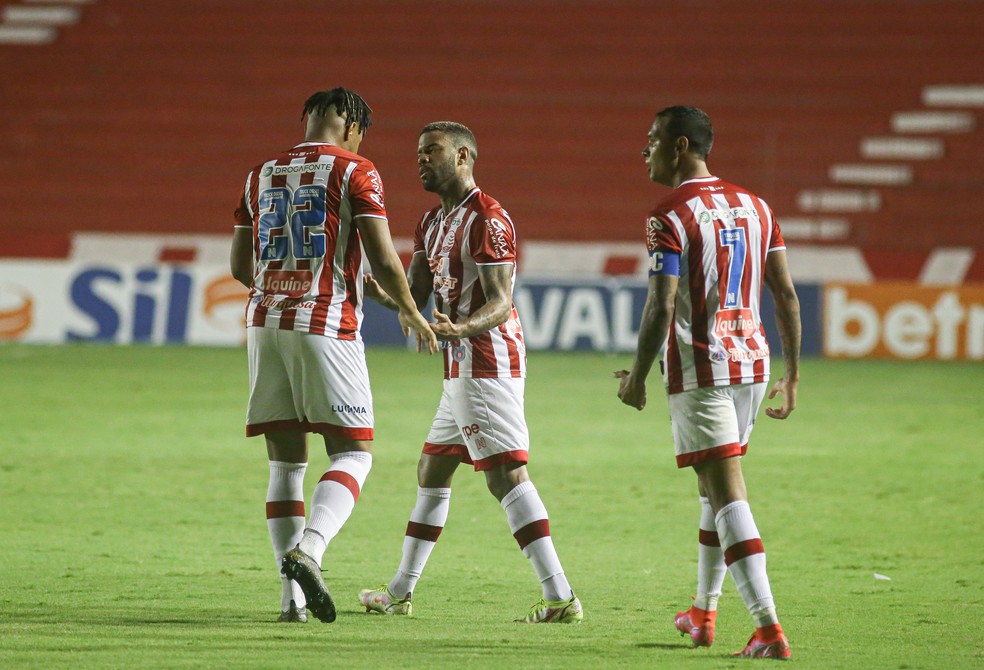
pixel 653 226
pixel 377 187
pixel 497 236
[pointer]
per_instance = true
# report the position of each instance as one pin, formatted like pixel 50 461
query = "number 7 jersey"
pixel 723 234
pixel 301 206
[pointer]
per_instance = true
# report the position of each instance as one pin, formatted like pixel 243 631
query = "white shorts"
pixel 482 421
pixel 713 423
pixel 312 383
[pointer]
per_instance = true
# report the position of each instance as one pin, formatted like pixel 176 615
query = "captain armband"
pixel 662 262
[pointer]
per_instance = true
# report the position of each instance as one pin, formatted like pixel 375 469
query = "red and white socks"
pixel 745 557
pixel 334 499
pixel 426 523
pixel 529 525
pixel 285 520
pixel 711 569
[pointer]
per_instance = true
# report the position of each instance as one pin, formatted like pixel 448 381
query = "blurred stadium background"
pixel 126 130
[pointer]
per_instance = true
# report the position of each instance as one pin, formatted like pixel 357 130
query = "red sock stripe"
pixel 708 538
pixel 278 509
pixel 422 531
pixel 743 549
pixel 343 478
pixel 532 532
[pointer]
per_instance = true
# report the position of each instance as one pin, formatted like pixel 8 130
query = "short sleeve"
pixel 661 234
pixel 493 238
pixel 775 239
pixel 366 191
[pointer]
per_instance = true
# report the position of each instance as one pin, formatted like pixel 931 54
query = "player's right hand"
pixel 629 392
pixel 787 389
pixel 414 322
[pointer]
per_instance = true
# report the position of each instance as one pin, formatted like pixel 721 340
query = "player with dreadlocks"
pixel 349 104
pixel 304 218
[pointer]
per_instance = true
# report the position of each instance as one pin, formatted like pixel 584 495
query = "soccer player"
pixel 465 254
pixel 305 215
pixel 712 245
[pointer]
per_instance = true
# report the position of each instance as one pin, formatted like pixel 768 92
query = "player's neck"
pixel 690 170
pixel 457 191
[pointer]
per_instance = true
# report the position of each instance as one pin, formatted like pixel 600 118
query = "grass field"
pixel 133 530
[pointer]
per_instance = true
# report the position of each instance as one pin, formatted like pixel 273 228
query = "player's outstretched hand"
pixel 629 392
pixel 787 389
pixel 371 288
pixel 443 328
pixel 412 321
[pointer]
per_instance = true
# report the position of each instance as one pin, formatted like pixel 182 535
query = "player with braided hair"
pixel 304 218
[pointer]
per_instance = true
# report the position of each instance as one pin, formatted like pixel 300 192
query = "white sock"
pixel 285 520
pixel 426 523
pixel 745 557
pixel 710 560
pixel 334 499
pixel 530 526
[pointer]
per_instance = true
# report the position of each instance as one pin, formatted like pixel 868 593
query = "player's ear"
pixel 682 144
pixel 463 155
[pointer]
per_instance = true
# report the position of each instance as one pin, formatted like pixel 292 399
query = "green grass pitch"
pixel 133 530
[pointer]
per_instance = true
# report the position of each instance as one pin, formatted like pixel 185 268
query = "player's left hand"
pixel 629 392
pixel 787 389
pixel 443 328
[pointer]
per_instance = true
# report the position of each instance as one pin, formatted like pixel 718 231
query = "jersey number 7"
pixel 734 240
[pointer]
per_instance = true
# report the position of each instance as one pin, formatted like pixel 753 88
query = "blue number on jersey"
pixel 304 210
pixel 734 239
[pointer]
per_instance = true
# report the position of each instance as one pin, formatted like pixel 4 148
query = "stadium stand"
pixel 145 117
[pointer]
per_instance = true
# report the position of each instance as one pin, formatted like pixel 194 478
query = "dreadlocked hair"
pixel 346 103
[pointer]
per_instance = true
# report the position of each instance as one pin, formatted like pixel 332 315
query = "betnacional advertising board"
pixel 904 321
pixel 58 301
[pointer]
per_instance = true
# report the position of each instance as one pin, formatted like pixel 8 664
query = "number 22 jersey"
pixel 301 206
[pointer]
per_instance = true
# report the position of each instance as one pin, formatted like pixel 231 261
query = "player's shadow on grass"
pixel 662 645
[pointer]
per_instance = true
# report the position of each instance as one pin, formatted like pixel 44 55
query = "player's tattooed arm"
pixel 656 317
pixel 497 285
pixel 419 278
pixel 780 284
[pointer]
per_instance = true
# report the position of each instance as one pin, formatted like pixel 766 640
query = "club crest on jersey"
pixel 458 352
pixel 497 235
pixel 450 237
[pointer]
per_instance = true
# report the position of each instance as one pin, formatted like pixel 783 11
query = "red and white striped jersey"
pixel 723 234
pixel 476 232
pixel 307 253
